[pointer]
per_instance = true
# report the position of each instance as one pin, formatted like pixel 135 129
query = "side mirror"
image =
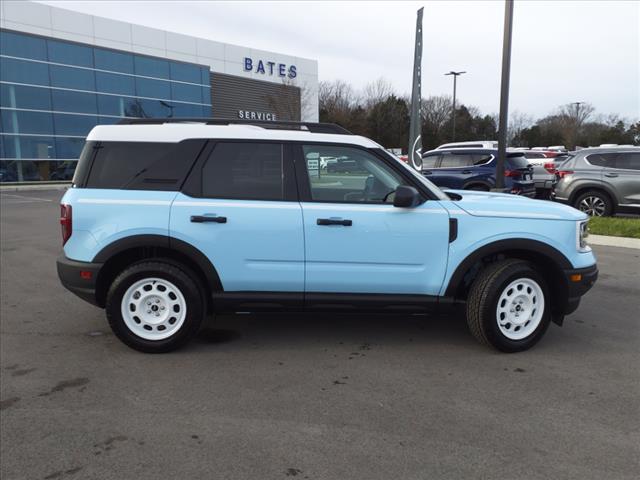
pixel 406 197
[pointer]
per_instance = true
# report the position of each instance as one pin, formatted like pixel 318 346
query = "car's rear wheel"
pixel 508 306
pixel 594 203
pixel 154 306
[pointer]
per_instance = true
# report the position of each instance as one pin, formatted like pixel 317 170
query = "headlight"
pixel 581 236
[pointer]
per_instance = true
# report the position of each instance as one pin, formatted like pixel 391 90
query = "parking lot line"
pixel 22 198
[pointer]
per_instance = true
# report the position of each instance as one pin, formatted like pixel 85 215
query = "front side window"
pixel 348 174
pixel 248 171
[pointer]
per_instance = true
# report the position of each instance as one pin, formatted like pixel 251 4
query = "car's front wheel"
pixel 508 306
pixel 154 306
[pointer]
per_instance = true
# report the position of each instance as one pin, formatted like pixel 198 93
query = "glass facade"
pixel 52 93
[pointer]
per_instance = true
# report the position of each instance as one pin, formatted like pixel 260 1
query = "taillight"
pixel 66 222
pixel 564 173
pixel 550 167
pixel 511 173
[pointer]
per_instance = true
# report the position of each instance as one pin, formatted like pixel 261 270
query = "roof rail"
pixel 276 125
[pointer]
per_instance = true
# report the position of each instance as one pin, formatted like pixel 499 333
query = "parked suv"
pixel 475 169
pixel 168 221
pixel 600 181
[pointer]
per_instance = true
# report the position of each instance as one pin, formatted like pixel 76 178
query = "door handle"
pixel 611 175
pixel 427 172
pixel 467 172
pixel 334 221
pixel 208 218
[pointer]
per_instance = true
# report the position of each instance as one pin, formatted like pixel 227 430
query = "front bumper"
pixel 79 277
pixel 579 281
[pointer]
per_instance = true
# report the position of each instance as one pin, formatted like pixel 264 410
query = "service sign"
pixel 263 116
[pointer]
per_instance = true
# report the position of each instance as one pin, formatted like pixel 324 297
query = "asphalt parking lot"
pixel 314 397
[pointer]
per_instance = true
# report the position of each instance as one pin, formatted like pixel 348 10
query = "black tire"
pixel 593 197
pixel 482 304
pixel 179 276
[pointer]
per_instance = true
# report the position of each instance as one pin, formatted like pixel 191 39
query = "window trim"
pixel 192 186
pixel 304 184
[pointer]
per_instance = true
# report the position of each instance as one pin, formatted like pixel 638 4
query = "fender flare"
pixel 163 241
pixel 584 186
pixel 499 246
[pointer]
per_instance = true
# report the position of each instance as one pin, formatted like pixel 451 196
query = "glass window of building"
pixel 24 46
pixel 19 121
pixel 186 93
pixel 71 124
pixel 22 71
pixel 113 61
pixel 114 83
pixel 18 96
pixel 70 53
pixel 70 77
pixel 185 72
pixel 78 102
pixel 151 67
pixel 146 87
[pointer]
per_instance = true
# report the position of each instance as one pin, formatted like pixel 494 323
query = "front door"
pixel 356 241
pixel 240 209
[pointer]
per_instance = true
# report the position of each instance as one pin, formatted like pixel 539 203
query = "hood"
pixel 491 204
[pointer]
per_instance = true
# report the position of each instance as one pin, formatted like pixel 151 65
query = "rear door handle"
pixel 427 172
pixel 334 221
pixel 611 175
pixel 208 218
pixel 467 172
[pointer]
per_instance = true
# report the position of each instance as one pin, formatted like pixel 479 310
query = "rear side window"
pixel 249 171
pixel 628 161
pixel 482 158
pixel 429 161
pixel 517 162
pixel 142 165
pixel 84 164
pixel 602 159
pixel 453 160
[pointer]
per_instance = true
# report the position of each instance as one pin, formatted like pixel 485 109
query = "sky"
pixel 562 51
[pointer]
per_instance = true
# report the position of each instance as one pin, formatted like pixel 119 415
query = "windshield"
pixel 417 175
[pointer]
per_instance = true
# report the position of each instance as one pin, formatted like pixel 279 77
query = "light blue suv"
pixel 168 221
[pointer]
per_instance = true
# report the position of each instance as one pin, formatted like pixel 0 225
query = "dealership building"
pixel 63 72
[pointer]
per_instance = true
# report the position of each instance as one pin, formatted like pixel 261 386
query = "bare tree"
pixel 572 117
pixel 375 92
pixel 436 111
pixel 518 121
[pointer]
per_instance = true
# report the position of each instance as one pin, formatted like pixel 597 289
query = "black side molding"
pixel 453 229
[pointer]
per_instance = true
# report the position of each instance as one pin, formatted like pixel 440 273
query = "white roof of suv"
pixel 176 132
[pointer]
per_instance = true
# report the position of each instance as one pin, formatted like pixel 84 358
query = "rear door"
pixel 455 170
pixel 625 177
pixel 239 207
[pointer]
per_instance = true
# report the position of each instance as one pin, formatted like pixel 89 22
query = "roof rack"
pixel 276 125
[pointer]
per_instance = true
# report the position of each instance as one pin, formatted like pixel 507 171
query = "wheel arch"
pixel 584 187
pixel 549 261
pixel 117 255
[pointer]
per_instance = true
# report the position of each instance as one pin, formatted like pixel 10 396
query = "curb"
pixel 609 241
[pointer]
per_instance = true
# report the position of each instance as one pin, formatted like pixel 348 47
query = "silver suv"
pixel 600 181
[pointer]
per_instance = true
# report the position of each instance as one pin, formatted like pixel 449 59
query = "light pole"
pixel 455 78
pixel 504 93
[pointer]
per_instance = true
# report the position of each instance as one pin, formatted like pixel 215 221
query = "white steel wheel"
pixel 520 308
pixel 153 308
